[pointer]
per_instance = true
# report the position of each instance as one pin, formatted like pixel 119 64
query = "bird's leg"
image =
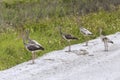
pixel 33 57
pixel 86 41
pixel 69 46
pixel 106 45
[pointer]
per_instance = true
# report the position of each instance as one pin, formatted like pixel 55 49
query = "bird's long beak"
pixel 24 40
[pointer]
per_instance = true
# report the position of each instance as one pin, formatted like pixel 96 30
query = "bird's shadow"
pixel 79 52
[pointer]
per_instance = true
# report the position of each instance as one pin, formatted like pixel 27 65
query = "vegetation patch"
pixel 43 26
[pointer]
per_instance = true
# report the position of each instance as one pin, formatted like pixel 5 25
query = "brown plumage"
pixel 32 46
pixel 105 40
pixel 67 37
pixel 86 33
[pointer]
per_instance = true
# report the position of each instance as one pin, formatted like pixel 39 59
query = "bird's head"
pixel 100 30
pixel 60 29
pixel 81 27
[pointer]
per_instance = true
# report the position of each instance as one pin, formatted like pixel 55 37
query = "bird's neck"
pixel 100 32
pixel 24 42
pixel 61 32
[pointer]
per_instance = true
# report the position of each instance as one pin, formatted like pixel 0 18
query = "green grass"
pixel 12 51
pixel 14 1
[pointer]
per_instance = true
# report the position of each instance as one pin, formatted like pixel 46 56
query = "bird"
pixel 105 40
pixel 30 40
pixel 67 37
pixel 85 32
pixel 32 46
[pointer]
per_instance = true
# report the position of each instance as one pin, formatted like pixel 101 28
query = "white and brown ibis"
pixel 105 39
pixel 32 46
pixel 67 37
pixel 85 33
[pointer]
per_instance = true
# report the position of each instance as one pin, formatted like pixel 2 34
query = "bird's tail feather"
pixel 75 38
pixel 42 48
pixel 110 41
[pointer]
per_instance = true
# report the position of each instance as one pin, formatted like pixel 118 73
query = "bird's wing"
pixel 34 42
pixel 85 31
pixel 68 36
pixel 110 41
pixel 34 47
pixel 106 38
